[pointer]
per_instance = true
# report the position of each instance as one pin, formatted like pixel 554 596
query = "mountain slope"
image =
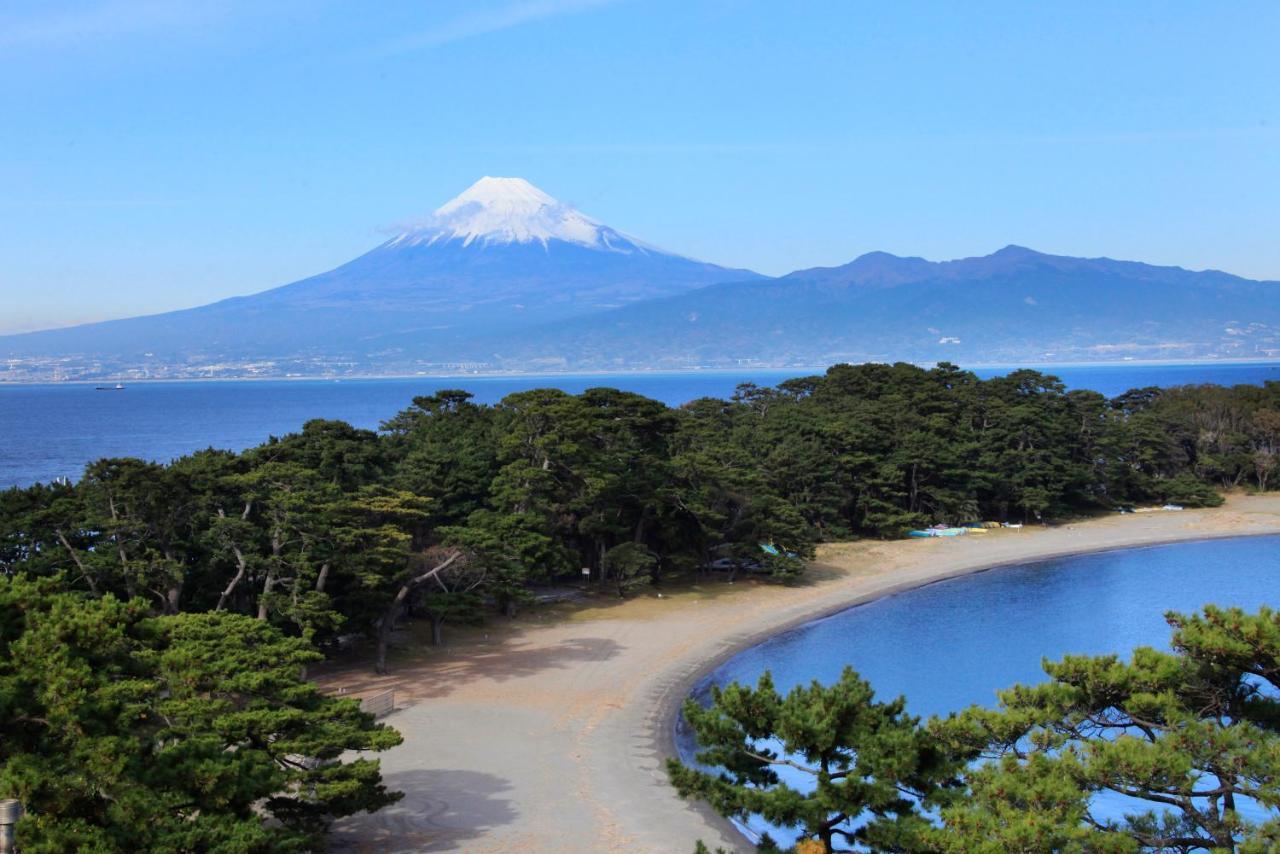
pixel 1013 305
pixel 500 257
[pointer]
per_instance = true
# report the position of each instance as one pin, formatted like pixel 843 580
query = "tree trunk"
pixel 437 629
pixel 173 597
pixel 242 565
pixel 93 587
pixel 266 592
pixel 173 593
pixel 277 546
pixel 387 622
pixel 380 659
pixel 129 586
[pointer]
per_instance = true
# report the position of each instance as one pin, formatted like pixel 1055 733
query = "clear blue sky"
pixel 156 155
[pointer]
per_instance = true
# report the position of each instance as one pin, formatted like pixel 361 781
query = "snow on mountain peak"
pixel 496 211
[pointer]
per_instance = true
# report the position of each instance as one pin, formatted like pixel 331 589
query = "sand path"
pixel 549 732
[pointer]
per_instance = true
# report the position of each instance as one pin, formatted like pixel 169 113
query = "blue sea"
pixel 953 644
pixel 50 431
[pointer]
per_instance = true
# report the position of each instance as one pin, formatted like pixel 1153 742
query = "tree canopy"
pixel 318 532
pixel 863 766
pixel 1168 751
pixel 125 731
pixel 177 603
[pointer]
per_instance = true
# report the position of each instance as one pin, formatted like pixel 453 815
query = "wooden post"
pixel 10 812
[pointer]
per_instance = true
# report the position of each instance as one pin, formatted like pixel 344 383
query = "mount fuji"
pixel 504 277
pixel 501 257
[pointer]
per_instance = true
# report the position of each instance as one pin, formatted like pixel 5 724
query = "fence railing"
pixel 383 703
pixel 378 705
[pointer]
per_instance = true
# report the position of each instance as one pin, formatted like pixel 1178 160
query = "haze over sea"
pixel 50 431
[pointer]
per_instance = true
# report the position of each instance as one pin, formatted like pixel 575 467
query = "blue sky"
pixel 155 155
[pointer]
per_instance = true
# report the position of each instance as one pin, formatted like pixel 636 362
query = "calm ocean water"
pixel 49 431
pixel 955 643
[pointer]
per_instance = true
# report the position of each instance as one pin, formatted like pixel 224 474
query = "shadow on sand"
pixel 435 676
pixel 498 649
pixel 442 810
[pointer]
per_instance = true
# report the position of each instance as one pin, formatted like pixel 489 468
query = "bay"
pixel 954 643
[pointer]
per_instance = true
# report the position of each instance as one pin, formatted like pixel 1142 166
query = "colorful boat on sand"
pixel 939 531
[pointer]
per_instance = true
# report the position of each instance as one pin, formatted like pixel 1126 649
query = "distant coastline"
pixel 506 290
pixel 789 370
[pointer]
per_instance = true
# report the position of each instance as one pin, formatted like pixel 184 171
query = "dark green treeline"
pixel 455 506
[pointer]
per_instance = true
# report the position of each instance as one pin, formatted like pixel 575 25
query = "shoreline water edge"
pixel 690 685
pixel 591 696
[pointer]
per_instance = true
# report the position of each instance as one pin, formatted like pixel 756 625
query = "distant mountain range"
pixel 1015 305
pixel 504 277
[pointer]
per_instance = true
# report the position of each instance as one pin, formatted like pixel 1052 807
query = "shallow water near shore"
pixel 954 643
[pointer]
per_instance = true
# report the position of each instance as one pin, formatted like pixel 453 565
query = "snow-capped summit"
pixel 496 211
pixel 498 260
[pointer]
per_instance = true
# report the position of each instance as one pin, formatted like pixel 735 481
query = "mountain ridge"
pixel 499 257
pixel 1013 305
pixel 504 277
pixel 868 266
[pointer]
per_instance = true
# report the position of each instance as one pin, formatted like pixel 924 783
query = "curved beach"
pixel 549 732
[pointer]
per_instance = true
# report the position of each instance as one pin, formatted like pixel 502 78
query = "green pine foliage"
pixel 865 765
pixel 1187 738
pixel 321 533
pixel 125 731
pixel 455 510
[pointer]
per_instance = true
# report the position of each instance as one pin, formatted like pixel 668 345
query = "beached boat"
pixel 939 531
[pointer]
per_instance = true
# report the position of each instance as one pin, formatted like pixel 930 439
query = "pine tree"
pixel 193 732
pixel 866 767
pixel 1186 737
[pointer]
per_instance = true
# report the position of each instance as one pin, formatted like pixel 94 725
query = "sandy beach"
pixel 549 732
